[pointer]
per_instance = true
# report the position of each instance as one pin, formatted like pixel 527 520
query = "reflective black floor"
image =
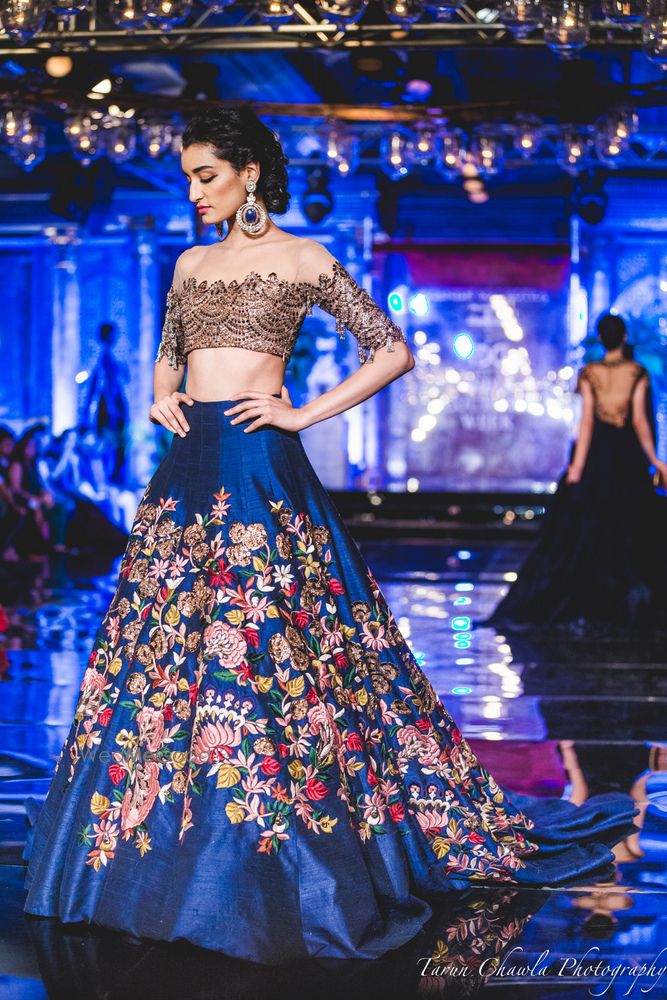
pixel 554 714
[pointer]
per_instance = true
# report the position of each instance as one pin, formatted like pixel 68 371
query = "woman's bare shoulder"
pixel 188 262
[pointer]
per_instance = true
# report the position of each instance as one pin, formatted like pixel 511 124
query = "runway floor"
pixel 553 714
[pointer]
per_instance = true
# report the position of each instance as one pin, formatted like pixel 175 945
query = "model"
pixel 257 764
pixel 600 559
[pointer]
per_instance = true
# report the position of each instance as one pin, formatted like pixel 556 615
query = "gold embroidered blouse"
pixel 266 313
pixel 613 384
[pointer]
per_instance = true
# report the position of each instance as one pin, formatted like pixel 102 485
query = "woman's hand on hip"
pixel 263 408
pixel 167 411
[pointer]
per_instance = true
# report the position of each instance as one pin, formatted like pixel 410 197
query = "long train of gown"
pixel 257 764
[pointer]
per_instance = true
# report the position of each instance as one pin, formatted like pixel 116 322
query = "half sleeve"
pixel 172 342
pixel 333 289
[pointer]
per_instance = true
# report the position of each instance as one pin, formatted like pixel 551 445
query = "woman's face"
pixel 215 187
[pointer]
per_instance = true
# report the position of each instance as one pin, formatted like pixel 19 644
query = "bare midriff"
pixel 215 373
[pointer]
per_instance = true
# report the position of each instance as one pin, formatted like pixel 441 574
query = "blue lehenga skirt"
pixel 257 764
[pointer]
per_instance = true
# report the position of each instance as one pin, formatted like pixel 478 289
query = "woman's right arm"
pixel 170 365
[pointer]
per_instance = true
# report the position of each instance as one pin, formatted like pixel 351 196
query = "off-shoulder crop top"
pixel 266 313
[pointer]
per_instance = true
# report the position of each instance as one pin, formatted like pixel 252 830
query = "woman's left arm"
pixel 643 428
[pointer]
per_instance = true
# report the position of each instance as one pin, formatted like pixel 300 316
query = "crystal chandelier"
pixel 573 148
pixel 166 14
pixel 126 14
pixel 450 153
pixel 654 32
pixel 567 26
pixel 528 135
pixel 487 150
pixel 396 153
pixel 23 19
pixel 521 16
pixel 403 12
pixel 342 12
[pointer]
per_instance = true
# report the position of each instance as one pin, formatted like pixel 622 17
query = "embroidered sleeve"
pixel 172 344
pixel 336 291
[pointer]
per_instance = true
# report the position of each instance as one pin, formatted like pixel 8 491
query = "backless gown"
pixel 257 764
pixel 601 558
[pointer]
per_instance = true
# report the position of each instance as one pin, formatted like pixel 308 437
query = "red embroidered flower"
pixel 311 696
pixel 4 620
pixel 354 742
pixel 301 619
pixel 105 716
pixel 194 688
pixel 476 838
pixel 455 734
pixel 291 590
pixel 372 777
pixel 251 637
pixel 270 765
pixel 116 773
pixel 423 724
pixel 168 712
pixel 282 747
pixel 342 661
pixel 145 611
pixel 315 789
pixel 335 586
pixel 397 812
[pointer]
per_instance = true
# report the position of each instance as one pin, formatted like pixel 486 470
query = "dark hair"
pixel 238 136
pixel 611 330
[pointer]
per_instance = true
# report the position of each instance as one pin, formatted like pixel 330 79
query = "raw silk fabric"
pixel 257 763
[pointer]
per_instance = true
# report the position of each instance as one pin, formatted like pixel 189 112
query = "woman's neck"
pixel 614 355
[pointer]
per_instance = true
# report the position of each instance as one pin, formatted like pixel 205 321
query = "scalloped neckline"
pixel 205 285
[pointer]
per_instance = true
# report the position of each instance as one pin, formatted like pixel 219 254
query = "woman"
pixel 33 537
pixel 257 764
pixel 600 560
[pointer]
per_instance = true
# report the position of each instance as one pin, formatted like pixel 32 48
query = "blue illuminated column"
pixel 65 336
pixel 147 318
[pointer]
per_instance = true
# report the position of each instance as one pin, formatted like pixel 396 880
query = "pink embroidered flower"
pixel 226 642
pixel 416 744
pixel 431 820
pixel 214 742
pixel 373 635
pixel 92 686
pixel 151 727
pixel 106 835
pixel 140 796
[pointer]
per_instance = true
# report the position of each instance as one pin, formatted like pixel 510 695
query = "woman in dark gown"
pixel 257 764
pixel 601 559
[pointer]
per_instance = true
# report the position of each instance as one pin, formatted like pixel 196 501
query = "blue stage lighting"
pixel 464 346
pixel 460 624
pixel 419 304
pixel 461 690
pixel 464 554
pixel 462 587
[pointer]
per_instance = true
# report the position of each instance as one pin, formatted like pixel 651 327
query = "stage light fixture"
pixel 396 153
pixel 396 302
pixel 317 201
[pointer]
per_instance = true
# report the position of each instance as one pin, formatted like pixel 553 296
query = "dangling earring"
pixel 251 217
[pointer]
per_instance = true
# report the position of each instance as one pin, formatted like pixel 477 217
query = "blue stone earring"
pixel 251 217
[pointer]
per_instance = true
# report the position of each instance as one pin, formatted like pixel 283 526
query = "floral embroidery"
pixel 233 655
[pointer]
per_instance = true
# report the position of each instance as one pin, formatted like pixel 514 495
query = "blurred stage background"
pixel 493 236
